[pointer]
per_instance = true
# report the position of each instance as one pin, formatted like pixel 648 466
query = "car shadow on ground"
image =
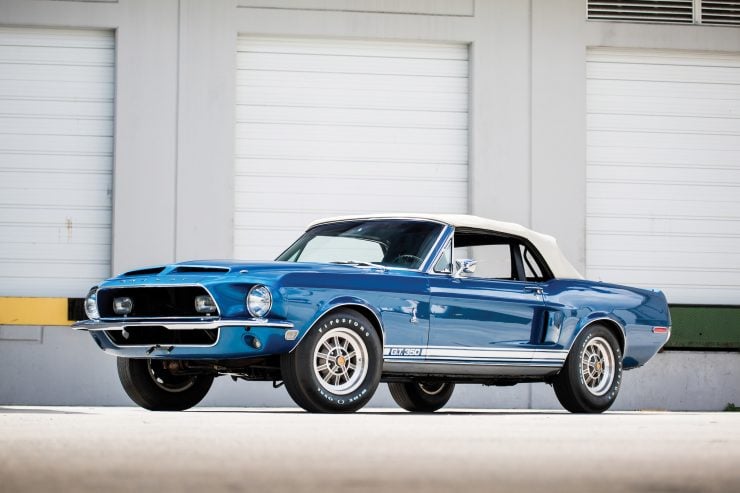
pixel 36 410
pixel 387 412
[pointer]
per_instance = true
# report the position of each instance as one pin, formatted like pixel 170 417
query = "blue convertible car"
pixel 422 302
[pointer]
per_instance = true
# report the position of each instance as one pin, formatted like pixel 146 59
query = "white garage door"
pixel 327 127
pixel 56 144
pixel 664 172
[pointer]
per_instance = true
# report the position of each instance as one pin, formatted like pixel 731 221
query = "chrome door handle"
pixel 533 289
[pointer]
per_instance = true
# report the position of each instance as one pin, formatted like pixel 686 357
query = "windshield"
pixel 388 242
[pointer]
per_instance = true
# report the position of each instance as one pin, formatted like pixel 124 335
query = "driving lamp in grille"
pixel 123 305
pixel 204 304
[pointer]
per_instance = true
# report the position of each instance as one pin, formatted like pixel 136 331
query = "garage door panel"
pixel 364 185
pixel 51 198
pixel 56 38
pixel 353 48
pixel 342 81
pixel 609 154
pixel 669 192
pixel 82 144
pixel 54 126
pixel 56 145
pixel 62 73
pixel 604 90
pixel 690 207
pixel 55 55
pixel 26 252
pixel 351 64
pixel 83 234
pixel 668 106
pixel 55 270
pixel 336 133
pixel 659 123
pixel 55 90
pixel 350 116
pixel 645 244
pixel 665 140
pixel 345 151
pixel 678 260
pixel 680 72
pixel 657 224
pixel 352 98
pixel 662 57
pixel 666 175
pixel 56 108
pixel 340 199
pixel 32 163
pixel 351 169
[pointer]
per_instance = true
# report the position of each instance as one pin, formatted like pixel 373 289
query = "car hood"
pixel 206 271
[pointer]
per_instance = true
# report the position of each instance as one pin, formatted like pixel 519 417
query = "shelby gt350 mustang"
pixel 422 302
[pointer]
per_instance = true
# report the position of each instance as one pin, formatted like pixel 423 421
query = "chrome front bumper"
pixel 177 324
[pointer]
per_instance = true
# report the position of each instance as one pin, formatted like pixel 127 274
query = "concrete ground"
pixel 241 449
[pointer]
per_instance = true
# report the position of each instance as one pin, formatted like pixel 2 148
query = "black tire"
pixel 150 385
pixel 421 397
pixel 593 387
pixel 320 385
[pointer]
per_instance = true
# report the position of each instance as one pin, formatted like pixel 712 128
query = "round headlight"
pixel 259 301
pixel 91 305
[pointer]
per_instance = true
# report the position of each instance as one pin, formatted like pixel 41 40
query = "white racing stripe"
pixel 473 354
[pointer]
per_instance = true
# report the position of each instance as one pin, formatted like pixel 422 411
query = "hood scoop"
pixel 199 269
pixel 150 271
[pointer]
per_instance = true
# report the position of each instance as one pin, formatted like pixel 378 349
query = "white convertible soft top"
pixel 546 245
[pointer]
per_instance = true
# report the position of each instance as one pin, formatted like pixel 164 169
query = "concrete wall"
pixel 174 148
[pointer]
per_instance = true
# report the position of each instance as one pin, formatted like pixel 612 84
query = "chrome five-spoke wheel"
pixel 597 366
pixel 340 361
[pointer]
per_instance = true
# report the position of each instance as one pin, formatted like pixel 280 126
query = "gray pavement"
pixel 237 449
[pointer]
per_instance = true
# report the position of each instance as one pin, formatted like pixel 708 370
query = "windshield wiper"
pixel 358 263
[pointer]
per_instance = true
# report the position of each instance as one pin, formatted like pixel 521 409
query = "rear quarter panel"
pixel 581 303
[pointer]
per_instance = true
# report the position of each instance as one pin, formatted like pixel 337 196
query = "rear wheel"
pixel 152 385
pixel 421 397
pixel 590 379
pixel 337 365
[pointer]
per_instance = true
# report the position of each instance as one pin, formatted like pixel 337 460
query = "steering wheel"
pixel 407 259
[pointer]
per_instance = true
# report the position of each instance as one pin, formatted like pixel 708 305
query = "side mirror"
pixel 465 267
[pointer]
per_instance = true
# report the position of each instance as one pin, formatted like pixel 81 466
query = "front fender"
pixel 305 318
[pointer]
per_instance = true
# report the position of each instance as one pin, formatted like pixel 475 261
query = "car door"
pixel 489 318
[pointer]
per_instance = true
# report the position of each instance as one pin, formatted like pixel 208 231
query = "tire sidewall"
pixel 582 393
pixel 314 390
pixel 139 385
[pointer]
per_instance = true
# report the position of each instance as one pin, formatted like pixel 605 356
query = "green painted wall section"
pixel 705 327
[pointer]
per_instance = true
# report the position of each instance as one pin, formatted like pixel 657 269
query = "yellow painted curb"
pixel 34 311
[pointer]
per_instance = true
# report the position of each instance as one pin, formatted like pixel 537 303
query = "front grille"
pixel 159 302
pixel 154 334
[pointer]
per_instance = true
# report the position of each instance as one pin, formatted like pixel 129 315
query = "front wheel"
pixel 337 365
pixel 590 379
pixel 153 385
pixel 421 397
